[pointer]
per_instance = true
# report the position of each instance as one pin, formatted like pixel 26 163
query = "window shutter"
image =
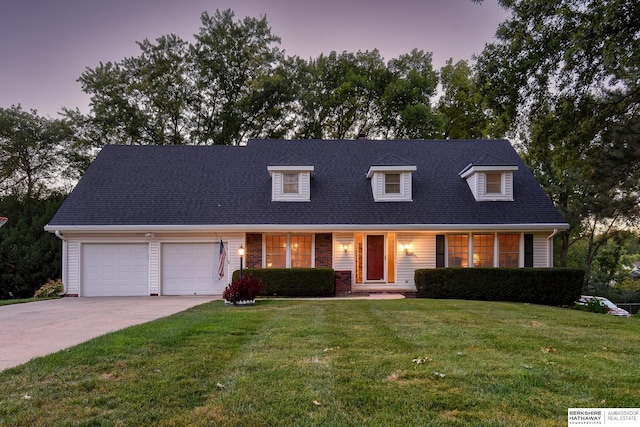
pixel 528 250
pixel 440 251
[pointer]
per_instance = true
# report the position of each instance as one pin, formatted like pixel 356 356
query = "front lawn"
pixel 336 363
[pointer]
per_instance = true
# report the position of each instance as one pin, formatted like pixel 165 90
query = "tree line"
pixel 560 81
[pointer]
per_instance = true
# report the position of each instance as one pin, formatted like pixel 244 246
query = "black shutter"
pixel 528 250
pixel 440 251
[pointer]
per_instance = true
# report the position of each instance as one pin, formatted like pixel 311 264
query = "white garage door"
pixel 115 269
pixel 191 269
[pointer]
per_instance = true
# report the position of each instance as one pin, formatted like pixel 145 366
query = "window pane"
pixel 509 249
pixel 290 183
pixel 483 250
pixel 276 251
pixel 301 251
pixel 458 250
pixel 494 183
pixel 392 183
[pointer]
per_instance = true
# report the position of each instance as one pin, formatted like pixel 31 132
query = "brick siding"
pixel 253 251
pixel 324 250
pixel 343 282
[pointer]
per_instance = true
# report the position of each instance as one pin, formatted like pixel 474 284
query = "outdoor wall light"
pixel 407 249
pixel 345 247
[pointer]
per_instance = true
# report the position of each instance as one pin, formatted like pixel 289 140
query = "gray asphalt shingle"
pixel 218 185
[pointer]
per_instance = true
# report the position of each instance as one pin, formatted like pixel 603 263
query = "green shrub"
pixel 548 286
pixel 293 282
pixel 51 289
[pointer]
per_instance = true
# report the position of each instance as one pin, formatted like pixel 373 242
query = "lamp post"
pixel 241 253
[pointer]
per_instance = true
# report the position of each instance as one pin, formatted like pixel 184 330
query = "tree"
pixel 230 85
pixel 31 152
pixel 461 107
pixel 563 79
pixel 340 95
pixel 240 83
pixel 407 111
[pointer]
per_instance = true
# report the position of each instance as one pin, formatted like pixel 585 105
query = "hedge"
pixel 548 286
pixel 293 282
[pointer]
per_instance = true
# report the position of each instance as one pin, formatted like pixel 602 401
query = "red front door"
pixel 375 257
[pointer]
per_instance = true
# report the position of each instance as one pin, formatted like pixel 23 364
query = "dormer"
pixel 391 179
pixel 490 179
pixel 291 180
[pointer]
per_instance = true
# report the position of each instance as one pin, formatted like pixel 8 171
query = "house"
pixel 149 220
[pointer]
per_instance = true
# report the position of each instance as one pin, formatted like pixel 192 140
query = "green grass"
pixel 336 363
pixel 17 301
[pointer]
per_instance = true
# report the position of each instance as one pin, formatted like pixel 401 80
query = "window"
pixel 392 183
pixel 301 251
pixel 276 251
pixel 458 250
pixel 509 250
pixel 290 183
pixel 288 250
pixel 483 250
pixel 493 183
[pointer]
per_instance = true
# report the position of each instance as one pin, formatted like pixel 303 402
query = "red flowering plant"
pixel 243 290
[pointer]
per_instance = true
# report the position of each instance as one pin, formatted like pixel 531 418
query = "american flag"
pixel 223 258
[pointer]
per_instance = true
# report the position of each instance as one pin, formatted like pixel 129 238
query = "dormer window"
pixel 392 183
pixel 490 179
pixel 493 183
pixel 290 183
pixel 291 180
pixel 391 180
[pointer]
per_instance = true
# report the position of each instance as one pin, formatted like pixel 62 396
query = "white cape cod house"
pixel 149 220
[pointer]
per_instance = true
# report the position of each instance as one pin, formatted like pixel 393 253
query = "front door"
pixel 375 258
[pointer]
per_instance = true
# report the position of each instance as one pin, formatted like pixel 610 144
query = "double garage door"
pixel 123 269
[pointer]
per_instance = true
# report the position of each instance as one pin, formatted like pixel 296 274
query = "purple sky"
pixel 46 44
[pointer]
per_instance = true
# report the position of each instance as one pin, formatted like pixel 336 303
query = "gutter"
pixel 550 247
pixel 305 227
pixel 64 263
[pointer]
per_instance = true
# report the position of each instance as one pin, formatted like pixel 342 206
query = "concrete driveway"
pixel 42 327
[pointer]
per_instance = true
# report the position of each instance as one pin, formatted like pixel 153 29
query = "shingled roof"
pixel 224 186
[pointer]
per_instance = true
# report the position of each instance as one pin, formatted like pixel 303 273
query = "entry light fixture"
pixel 241 253
pixel 407 249
pixel 345 247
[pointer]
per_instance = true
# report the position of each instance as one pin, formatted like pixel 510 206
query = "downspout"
pixel 64 260
pixel 550 247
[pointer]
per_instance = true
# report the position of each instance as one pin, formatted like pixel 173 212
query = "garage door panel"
pixel 115 269
pixel 191 269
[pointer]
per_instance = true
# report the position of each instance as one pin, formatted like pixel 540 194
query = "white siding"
pixel 508 185
pixel 73 267
pixel 154 267
pixel 540 251
pixel 342 261
pixel 423 255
